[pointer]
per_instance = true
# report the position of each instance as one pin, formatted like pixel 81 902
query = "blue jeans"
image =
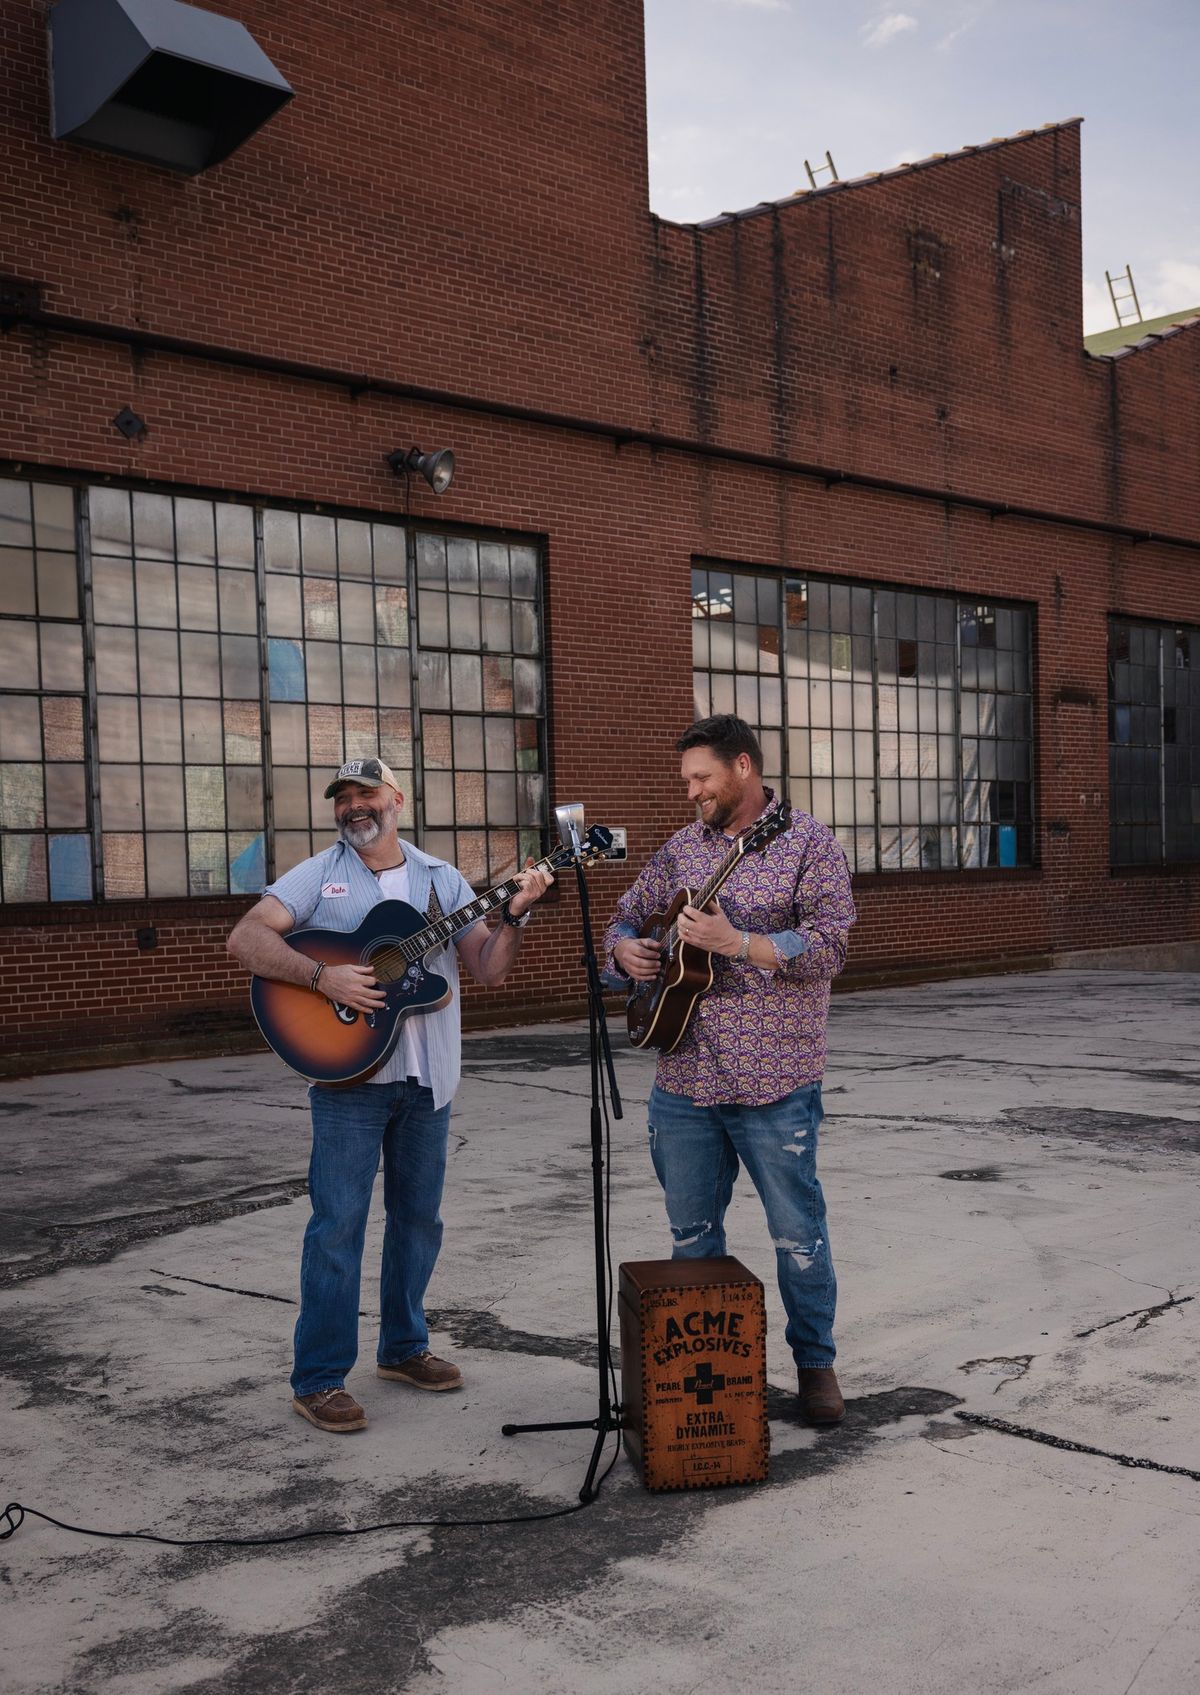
pixel 696 1152
pixel 351 1129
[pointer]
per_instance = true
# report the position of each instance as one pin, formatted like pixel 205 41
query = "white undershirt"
pixel 414 1037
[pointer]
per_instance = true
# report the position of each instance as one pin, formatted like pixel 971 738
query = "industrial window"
pixel 1153 743
pixel 235 657
pixel 45 848
pixel 902 720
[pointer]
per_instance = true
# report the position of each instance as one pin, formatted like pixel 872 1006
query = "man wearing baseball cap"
pixel 401 1115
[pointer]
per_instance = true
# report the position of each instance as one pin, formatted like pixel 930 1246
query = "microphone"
pixel 571 833
pixel 570 824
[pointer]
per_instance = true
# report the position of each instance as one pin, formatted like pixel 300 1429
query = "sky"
pixel 741 92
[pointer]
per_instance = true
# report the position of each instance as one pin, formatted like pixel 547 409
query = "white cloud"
pixel 887 28
pixel 1176 286
pixel 970 16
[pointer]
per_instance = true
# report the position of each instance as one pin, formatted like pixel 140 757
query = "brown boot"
pixel 331 1409
pixel 423 1371
pixel 820 1398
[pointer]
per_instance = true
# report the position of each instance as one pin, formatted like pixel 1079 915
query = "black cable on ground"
pixel 16 1512
pixel 1069 1447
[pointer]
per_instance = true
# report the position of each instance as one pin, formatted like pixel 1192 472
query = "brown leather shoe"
pixel 331 1409
pixel 820 1398
pixel 423 1371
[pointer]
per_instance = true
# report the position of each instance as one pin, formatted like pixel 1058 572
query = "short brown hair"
pixel 727 736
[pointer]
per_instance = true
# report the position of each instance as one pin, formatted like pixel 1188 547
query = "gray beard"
pixel 361 833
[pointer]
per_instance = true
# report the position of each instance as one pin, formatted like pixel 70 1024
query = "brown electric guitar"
pixel 659 1011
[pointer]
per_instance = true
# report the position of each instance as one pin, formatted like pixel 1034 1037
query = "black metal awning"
pixel 159 81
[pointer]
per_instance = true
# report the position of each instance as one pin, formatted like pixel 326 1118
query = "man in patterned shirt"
pixel 744 1084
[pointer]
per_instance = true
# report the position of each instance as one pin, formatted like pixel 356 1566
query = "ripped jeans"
pixel 696 1152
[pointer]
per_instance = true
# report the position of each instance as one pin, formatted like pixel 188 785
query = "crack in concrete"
pixel 523 1082
pixel 1134 1461
pixel 1007 1367
pixel 1142 1314
pixel 97 1241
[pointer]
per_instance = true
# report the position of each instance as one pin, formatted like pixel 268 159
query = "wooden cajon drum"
pixel 694 1372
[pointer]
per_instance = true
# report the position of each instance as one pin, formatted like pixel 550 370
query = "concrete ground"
pixel 1010 1166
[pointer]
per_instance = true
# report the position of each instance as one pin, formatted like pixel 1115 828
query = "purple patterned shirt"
pixel 756 1035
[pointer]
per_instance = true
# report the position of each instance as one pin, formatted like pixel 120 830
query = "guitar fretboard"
pixel 728 865
pixel 390 963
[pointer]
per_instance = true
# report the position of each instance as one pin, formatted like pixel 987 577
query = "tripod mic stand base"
pixel 605 1422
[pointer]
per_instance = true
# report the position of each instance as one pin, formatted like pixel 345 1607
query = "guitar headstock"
pixel 589 854
pixel 765 830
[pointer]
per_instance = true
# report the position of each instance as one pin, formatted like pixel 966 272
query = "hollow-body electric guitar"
pixel 330 1043
pixel 658 1011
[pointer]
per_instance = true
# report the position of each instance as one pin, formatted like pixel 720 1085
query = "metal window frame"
pixel 781 576
pixel 81 485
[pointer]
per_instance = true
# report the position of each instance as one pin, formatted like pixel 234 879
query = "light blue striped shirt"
pixel 306 891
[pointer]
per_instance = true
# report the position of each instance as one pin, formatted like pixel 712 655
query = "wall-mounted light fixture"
pixel 158 80
pixel 436 468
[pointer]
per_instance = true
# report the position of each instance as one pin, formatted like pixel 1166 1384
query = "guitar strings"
pixel 781 814
pixel 412 947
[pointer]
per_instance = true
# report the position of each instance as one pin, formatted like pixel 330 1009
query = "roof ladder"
pixel 1134 314
pixel 827 166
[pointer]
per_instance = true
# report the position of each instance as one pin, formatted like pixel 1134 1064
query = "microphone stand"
pixel 600 1053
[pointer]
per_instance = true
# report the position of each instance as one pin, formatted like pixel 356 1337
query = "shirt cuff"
pixel 616 978
pixel 788 944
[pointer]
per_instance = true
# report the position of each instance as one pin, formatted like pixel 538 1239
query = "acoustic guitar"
pixel 659 1010
pixel 330 1043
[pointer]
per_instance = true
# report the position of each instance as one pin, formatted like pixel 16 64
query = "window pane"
pixel 18 654
pixel 24 865
pixel 154 585
pixel 21 804
pixel 238 596
pixel 17 591
pixel 109 521
pixel 58 584
pixel 161 730
pixel 153 526
pixel 358 612
pixel 166 865
pixel 163 788
pixel 112 591
pixel 66 797
pixel 119 728
pixel 158 661
pixel 197 597
pixel 203 732
pixel 281 541
pixel 16 514
pixel 70 868
pixel 20 728
pixel 195 534
pixel 235 535
pixel 62 656
pixel 121 797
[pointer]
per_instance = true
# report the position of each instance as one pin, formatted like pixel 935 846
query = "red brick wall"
pixel 457 199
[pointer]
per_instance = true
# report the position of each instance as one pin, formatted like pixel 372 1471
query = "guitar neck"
pixel 720 876
pixel 441 931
